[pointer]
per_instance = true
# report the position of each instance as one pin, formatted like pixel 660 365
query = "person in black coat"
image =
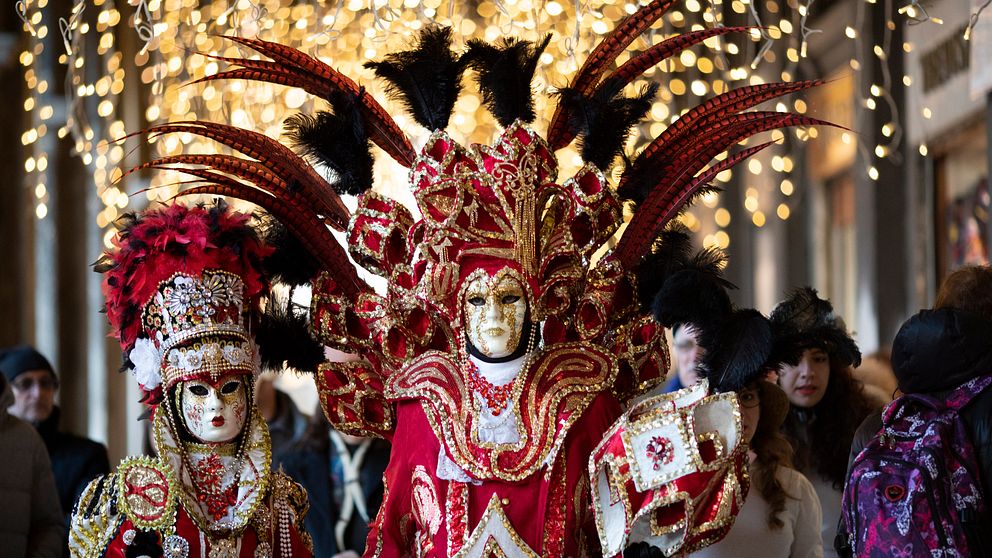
pixel 75 460
pixel 343 477
pixel 938 350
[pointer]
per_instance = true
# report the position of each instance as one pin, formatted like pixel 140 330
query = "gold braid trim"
pixel 95 519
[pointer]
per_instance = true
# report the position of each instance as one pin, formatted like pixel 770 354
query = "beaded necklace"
pixel 496 397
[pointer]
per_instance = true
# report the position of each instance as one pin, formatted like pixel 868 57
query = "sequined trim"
pixel 558 387
pixel 147 490
pixel 456 516
pixel 95 519
pixel 494 526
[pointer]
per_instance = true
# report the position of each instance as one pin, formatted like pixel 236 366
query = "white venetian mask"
pixel 214 412
pixel 495 310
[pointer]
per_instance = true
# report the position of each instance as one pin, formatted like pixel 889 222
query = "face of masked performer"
pixel 495 310
pixel 214 412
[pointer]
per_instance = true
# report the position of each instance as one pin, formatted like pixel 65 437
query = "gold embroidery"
pixel 146 489
pixel 492 520
pixel 554 393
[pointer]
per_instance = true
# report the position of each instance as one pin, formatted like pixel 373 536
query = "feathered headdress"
pixel 493 207
pixel 181 285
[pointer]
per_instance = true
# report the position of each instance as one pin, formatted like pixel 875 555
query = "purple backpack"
pixel 908 489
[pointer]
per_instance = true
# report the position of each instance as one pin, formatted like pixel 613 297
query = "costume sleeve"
pixel 47 525
pixel 96 465
pixel 352 396
pixel 807 541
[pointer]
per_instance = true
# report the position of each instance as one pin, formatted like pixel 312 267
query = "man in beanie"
pixel 75 460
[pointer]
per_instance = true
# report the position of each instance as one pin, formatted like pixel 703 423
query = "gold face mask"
pixel 495 309
pixel 214 412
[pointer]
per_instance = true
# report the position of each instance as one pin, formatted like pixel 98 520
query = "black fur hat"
pixel 804 321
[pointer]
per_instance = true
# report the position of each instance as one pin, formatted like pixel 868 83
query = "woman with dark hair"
pixel 781 516
pixel 827 404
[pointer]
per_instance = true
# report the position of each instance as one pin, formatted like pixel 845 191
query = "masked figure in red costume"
pixel 511 360
pixel 183 288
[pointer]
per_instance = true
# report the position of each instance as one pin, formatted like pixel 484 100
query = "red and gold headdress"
pixel 181 285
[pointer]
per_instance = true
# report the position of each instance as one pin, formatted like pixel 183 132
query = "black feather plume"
pixel 672 252
pixel 735 350
pixel 693 296
pixel 504 74
pixel 604 121
pixel 283 336
pixel 336 139
pixel 290 262
pixel 427 79
pixel 678 287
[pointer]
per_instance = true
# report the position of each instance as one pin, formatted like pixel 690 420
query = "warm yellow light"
pixel 722 217
pixel 786 187
pixel 758 219
pixel 782 211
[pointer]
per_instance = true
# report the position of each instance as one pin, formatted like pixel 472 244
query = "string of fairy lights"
pixel 168 39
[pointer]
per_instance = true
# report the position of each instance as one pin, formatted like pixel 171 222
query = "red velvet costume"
pixel 571 471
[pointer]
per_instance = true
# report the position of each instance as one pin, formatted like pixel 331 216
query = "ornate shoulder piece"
pixel 671 472
pixel 95 518
pixel 351 395
pixel 146 488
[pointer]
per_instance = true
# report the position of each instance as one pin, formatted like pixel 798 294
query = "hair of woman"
pixel 773 451
pixel 968 288
pixel 832 424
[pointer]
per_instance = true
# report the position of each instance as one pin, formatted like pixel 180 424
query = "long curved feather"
pixel 586 78
pixel 733 101
pixel 638 64
pixel 662 204
pixel 293 68
pixel 278 158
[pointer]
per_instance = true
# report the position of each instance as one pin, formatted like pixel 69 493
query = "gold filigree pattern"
pixel 551 395
pixel 146 489
pixel 95 519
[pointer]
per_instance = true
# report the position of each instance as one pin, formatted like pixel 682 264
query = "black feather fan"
pixel 504 74
pixel 290 262
pixel 283 336
pixel 604 121
pixel 735 350
pixel 680 288
pixel 336 139
pixel 427 79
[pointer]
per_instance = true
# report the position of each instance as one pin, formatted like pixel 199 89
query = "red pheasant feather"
pixel 293 68
pixel 732 101
pixel 586 78
pixel 675 182
pixel 638 64
pixel 277 158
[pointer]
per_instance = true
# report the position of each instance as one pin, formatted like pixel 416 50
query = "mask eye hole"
pixel 230 387
pixel 477 301
pixel 510 299
pixel 198 390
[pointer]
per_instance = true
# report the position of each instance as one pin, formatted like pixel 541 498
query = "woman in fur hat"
pixel 817 356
